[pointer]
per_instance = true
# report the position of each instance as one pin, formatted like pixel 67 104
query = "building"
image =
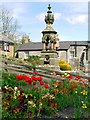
pixel 66 51
pixel 6 46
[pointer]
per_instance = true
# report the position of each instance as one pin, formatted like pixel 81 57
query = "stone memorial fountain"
pixel 50 43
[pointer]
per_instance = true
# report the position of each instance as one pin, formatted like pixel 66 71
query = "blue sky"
pixel 71 19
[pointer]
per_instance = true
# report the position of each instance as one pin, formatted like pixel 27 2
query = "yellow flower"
pixel 31 103
pixel 76 92
pixel 82 102
pixel 84 106
pixel 84 92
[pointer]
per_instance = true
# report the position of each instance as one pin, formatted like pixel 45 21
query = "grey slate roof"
pixel 37 46
pixel 31 46
pixel 5 39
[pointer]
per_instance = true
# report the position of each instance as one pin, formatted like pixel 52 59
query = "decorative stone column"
pixel 43 46
pixel 66 56
pixel 52 46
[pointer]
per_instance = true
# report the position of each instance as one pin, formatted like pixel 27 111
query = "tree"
pixel 8 25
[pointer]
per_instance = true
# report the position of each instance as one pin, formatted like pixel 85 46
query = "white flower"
pixel 52 97
pixel 15 88
pixel 6 87
pixel 30 102
pixel 26 96
pixel 18 92
pixel 15 97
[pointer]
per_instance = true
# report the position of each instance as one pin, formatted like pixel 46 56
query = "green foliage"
pixel 37 100
pixel 10 80
pixel 34 60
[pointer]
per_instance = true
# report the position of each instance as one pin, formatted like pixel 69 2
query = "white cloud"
pixel 57 16
pixel 17 12
pixel 80 19
pixel 41 16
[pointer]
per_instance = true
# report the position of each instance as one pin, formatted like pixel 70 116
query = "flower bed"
pixel 29 96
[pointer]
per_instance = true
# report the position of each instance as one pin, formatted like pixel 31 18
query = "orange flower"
pixel 16 110
pixel 7 107
pixel 6 103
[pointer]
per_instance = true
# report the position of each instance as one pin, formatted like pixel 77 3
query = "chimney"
pixel 25 39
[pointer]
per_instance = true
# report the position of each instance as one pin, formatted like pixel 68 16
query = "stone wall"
pixel 22 54
pixel 9 53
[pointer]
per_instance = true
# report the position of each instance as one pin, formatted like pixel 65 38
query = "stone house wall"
pixel 9 53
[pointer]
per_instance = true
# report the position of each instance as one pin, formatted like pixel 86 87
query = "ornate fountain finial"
pixel 49 7
pixel 49 18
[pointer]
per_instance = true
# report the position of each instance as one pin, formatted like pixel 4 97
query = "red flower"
pixel 39 78
pixel 70 76
pixel 34 83
pixel 46 86
pixel 30 73
pixel 9 97
pixel 27 79
pixel 33 78
pixel 20 98
pixel 19 77
pixel 41 83
pixel 10 91
pixel 24 77
pixel 77 77
pixel 60 83
pixel 35 72
pixel 4 90
pixel 88 79
pixel 21 91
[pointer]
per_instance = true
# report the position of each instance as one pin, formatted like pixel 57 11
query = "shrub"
pixel 62 62
pixel 63 65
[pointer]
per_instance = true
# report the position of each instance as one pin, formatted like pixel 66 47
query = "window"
pixel 71 54
pixel 6 46
pixel 1 45
pixel 26 54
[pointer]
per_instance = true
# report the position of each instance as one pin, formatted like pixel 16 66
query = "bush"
pixel 62 62
pixel 63 65
pixel 34 60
